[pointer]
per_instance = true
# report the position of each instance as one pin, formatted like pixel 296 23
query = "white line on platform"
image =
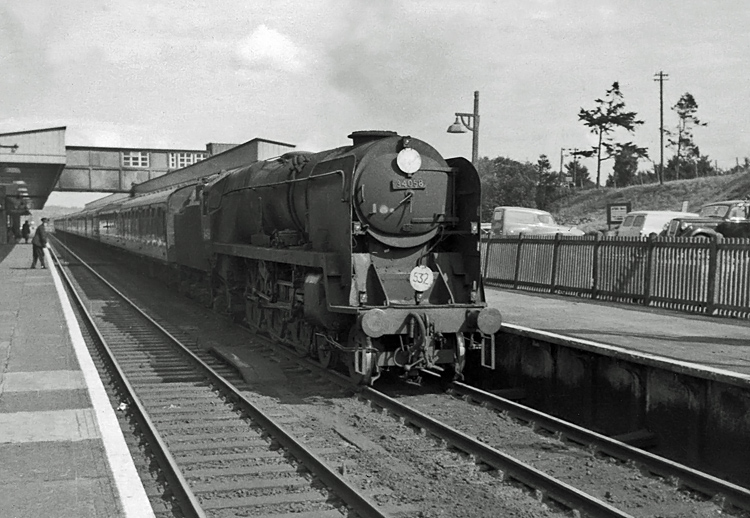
pixel 133 497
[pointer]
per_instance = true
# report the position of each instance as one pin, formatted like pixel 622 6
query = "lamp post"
pixel 469 121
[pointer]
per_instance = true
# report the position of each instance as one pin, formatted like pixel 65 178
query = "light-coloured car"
pixel 511 221
pixel 643 223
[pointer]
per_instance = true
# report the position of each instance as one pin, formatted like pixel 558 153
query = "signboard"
pixel 616 212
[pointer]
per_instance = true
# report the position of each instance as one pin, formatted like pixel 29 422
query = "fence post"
pixel 595 268
pixel 518 261
pixel 486 257
pixel 713 259
pixel 555 256
pixel 647 273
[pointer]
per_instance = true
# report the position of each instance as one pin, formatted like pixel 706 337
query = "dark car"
pixel 721 218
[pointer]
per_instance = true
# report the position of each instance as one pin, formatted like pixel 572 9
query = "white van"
pixel 511 221
pixel 643 223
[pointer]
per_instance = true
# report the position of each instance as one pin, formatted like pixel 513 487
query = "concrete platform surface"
pixel 716 342
pixel 57 457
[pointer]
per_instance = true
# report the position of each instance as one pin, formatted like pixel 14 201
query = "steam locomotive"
pixel 365 257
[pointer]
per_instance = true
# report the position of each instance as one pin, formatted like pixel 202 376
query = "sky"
pixel 172 74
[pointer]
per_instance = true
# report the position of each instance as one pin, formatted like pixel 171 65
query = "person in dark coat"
pixel 26 231
pixel 38 242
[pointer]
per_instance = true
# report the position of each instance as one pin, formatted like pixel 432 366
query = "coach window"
pixel 147 223
pixel 154 222
pixel 159 223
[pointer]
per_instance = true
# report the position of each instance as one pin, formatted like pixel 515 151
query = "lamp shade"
pixel 456 127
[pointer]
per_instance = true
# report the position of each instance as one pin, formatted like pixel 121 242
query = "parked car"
pixel 643 223
pixel 729 218
pixel 511 221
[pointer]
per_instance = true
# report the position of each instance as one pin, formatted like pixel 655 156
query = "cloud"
pixel 267 48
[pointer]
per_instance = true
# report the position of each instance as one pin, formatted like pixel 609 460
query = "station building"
pixel 36 162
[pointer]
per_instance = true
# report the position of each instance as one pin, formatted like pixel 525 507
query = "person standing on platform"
pixel 38 243
pixel 26 231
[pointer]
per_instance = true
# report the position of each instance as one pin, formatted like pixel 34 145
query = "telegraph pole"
pixel 661 77
pixel 562 150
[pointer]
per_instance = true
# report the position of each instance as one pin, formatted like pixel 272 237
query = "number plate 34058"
pixel 407 183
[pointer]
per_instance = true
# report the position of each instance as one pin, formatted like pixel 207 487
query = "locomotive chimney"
pixel 363 137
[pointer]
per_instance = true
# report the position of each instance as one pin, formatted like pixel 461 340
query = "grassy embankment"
pixel 588 209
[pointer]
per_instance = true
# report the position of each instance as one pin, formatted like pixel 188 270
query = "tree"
pixel 626 165
pixel 608 115
pixel 704 167
pixel 695 167
pixel 548 185
pixel 506 182
pixel 686 151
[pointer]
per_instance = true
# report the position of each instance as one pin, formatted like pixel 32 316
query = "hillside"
pixel 588 208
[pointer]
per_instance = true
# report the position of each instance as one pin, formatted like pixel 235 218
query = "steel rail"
pixel 159 447
pixel 349 494
pixel 691 478
pixel 554 489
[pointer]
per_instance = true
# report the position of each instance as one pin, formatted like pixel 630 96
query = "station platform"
pixel 708 342
pixel 62 453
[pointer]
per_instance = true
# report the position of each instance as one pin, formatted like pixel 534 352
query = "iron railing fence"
pixel 710 277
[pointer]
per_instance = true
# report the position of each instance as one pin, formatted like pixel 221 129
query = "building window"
pixel 135 159
pixel 180 160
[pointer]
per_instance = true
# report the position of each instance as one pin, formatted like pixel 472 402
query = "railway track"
pixel 218 450
pixel 489 454
pixel 607 458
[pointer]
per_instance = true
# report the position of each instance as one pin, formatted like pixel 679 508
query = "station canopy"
pixel 30 165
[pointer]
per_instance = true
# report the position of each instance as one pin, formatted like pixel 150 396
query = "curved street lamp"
pixel 469 121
